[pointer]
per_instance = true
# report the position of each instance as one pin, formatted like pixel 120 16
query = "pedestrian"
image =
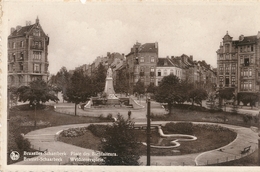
pixel 129 114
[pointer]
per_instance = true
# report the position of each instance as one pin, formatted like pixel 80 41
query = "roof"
pixel 165 62
pixel 22 31
pixel 247 40
pixel 148 47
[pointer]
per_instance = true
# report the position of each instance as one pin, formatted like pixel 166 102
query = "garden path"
pixel 47 139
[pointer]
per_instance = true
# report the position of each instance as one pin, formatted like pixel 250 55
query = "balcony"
pixel 36 47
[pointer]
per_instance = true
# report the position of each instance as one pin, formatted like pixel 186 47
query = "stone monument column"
pixel 109 89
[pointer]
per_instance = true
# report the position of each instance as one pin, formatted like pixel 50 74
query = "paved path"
pixel 47 139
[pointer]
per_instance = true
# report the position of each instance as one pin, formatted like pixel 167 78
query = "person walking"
pixel 129 114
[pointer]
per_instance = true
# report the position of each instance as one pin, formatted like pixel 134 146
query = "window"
pixel 142 59
pixel 21 56
pixel 159 73
pixel 250 72
pixel 21 44
pixel 152 59
pixel 13 57
pixel 36 68
pixel 221 81
pixel 152 69
pixel 242 73
pixel 227 68
pixel 13 44
pixel 227 48
pixel 227 81
pixel 246 61
pixel 250 85
pixel 171 71
pixel 165 72
pixel 21 66
pixel 20 79
pixel 233 80
pixel 241 49
pixel 233 68
pixel 37 55
pixel 241 59
pixel 245 72
pixel 248 48
pixel 252 48
pixel 251 59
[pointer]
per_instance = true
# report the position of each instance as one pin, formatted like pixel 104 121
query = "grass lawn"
pixel 22 121
pixel 208 139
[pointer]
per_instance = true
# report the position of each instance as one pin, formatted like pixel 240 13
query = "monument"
pixel 109 89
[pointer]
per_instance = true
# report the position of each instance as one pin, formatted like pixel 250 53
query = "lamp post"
pixel 35 103
pixel 148 131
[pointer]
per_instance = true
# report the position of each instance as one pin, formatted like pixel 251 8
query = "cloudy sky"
pixel 81 32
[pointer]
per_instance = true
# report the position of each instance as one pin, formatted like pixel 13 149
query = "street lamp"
pixel 148 131
pixel 35 103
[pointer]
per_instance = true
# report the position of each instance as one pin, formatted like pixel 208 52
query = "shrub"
pixel 97 130
pixel 215 128
pixel 22 143
pixel 180 127
pixel 247 118
pixel 158 117
pixel 73 132
pixel 109 116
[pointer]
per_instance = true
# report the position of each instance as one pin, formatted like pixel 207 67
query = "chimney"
pixel 258 35
pixel 18 27
pixel 12 30
pixel 156 44
pixel 28 23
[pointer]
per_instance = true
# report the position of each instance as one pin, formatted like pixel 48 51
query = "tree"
pixel 80 88
pixel 139 87
pixel 62 81
pixel 99 79
pixel 226 93
pixel 248 98
pixel 197 95
pixel 168 91
pixel 151 88
pixel 120 139
pixel 38 91
pixel 122 82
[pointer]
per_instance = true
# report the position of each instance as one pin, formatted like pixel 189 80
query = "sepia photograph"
pixel 130 85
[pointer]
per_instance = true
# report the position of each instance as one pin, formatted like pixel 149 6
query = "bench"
pixel 246 149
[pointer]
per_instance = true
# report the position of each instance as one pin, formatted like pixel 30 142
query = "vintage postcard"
pixel 130 85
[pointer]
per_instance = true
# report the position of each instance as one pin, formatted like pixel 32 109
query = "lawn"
pixel 22 121
pixel 209 138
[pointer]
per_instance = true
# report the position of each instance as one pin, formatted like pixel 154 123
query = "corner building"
pixel 27 54
pixel 141 64
pixel 238 63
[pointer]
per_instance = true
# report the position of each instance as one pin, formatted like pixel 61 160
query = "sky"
pixel 79 32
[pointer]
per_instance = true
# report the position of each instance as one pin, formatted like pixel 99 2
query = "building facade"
pixel 27 54
pixel 165 67
pixel 238 63
pixel 141 64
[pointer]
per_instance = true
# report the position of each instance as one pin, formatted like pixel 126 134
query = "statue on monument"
pixel 109 73
pixel 109 88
